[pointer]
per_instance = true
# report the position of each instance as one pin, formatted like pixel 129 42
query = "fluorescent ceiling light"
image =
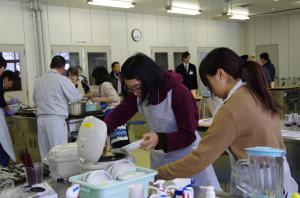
pixel 239 17
pixel 180 10
pixel 112 3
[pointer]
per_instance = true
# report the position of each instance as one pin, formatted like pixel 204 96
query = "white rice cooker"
pixel 86 154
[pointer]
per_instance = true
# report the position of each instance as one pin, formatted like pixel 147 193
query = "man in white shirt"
pixel 52 93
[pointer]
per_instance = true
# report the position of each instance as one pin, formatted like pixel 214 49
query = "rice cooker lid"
pixel 91 139
pixel 64 152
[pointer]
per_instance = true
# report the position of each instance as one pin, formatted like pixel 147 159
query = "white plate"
pixel 133 146
pixel 98 177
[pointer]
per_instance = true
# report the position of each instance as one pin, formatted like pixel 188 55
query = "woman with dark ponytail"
pixel 248 117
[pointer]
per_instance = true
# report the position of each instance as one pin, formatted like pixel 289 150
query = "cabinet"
pixel 23 132
pixel 288 98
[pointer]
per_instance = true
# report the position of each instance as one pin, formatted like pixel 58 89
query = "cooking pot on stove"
pixel 76 108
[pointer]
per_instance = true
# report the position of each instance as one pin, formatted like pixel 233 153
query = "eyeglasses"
pixel 135 89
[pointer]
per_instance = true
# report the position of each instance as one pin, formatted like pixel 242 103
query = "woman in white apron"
pixel 248 116
pixel 168 108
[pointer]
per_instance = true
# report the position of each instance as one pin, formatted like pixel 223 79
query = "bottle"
pixel 207 192
pixel 295 195
pixel 210 193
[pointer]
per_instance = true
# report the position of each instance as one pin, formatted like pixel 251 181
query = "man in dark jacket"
pixel 265 60
pixel 188 72
pixel 115 77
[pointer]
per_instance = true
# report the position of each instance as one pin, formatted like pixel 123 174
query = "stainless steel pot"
pixel 76 108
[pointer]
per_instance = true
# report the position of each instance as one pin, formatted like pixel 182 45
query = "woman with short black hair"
pixel 169 109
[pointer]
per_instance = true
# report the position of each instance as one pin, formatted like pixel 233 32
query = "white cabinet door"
pixel 80 26
pixel 59 25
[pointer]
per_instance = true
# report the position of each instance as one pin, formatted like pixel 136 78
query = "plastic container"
pixel 119 189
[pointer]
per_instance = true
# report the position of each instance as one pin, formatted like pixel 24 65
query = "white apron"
pixel 289 183
pixel 161 118
pixel 5 137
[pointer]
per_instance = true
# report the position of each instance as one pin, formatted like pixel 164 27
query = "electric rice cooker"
pixel 64 161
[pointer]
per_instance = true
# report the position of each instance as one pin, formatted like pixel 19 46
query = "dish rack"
pixel 118 189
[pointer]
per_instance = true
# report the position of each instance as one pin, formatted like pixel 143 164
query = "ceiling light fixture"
pixel 181 10
pixel 239 17
pixel 112 3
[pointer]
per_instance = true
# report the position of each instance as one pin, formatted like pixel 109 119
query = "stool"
pixel 130 125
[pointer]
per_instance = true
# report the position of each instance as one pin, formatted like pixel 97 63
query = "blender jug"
pixel 265 171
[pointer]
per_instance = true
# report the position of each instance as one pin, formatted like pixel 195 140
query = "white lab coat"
pixel 52 93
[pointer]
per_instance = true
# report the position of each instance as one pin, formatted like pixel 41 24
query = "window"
pixel 13 64
pixel 88 57
pixel 72 59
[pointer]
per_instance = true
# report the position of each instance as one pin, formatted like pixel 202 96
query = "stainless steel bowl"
pixel 76 108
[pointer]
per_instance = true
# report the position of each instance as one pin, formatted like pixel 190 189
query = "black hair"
pixel 100 74
pixel 2 62
pixel 144 69
pixel 57 62
pixel 265 56
pixel 185 55
pixel 72 71
pixel 231 63
pixel 114 63
pixel 8 74
pixel 245 57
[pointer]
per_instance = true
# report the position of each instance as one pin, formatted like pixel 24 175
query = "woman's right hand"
pixel 150 141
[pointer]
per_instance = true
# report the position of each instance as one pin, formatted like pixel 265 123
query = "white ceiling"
pixel 210 8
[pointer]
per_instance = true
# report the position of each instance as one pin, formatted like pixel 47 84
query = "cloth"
pixel 5 139
pixel 161 119
pixel 190 77
pixel 52 92
pixel 13 101
pixel 119 137
pixel 9 112
pixel 234 129
pixel 52 131
pixel 183 105
pixel 108 91
pixel 271 68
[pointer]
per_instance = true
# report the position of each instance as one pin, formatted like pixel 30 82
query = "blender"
pixel 265 172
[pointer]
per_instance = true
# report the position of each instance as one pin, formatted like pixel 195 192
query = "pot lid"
pixel 265 151
pixel 64 151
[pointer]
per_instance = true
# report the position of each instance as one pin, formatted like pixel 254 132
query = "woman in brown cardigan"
pixel 247 118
